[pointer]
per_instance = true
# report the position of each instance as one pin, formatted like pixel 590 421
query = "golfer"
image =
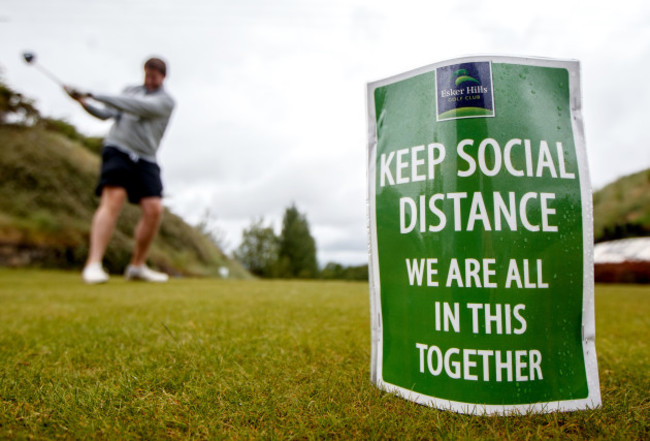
pixel 129 168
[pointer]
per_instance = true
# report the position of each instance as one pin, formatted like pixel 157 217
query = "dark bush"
pixel 629 271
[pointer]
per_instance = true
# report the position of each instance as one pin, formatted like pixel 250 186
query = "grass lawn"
pixel 213 359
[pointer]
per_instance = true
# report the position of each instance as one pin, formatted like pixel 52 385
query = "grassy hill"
pixel 47 181
pixel 622 208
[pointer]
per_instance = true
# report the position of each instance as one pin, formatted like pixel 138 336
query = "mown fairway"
pixel 208 359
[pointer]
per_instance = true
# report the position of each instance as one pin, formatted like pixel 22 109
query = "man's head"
pixel 155 71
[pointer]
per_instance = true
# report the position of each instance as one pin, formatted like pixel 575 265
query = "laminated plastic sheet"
pixel 481 237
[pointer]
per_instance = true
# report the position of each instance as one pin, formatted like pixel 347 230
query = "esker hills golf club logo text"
pixel 464 91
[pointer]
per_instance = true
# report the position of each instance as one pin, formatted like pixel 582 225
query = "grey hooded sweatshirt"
pixel 141 118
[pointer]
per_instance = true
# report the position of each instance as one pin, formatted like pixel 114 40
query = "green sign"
pixel 481 237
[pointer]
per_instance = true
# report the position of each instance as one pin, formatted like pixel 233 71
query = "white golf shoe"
pixel 144 273
pixel 94 273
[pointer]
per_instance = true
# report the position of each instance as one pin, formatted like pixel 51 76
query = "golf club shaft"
pixel 49 74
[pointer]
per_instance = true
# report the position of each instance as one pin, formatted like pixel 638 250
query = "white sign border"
pixel 593 399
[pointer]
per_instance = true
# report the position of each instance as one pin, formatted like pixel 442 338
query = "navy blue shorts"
pixel 140 178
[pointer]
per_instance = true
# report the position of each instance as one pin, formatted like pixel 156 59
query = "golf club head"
pixel 29 57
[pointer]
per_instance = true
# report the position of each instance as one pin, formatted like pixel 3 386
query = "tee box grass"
pixel 219 359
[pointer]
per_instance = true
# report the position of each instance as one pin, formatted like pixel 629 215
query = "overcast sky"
pixel 271 105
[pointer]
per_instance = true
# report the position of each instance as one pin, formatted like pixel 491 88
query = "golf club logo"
pixel 464 91
pixel 462 76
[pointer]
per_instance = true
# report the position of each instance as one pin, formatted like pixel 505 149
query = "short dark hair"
pixel 156 64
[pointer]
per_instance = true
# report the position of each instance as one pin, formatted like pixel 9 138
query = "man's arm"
pixel 103 113
pixel 146 106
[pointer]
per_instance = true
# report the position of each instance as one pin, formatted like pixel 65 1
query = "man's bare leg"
pixel 104 220
pixel 145 232
pixel 101 230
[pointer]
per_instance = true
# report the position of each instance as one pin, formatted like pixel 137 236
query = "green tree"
pixel 259 249
pixel 333 271
pixel 14 107
pixel 337 271
pixel 297 252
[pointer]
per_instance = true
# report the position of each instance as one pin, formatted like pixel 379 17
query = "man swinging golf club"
pixel 129 168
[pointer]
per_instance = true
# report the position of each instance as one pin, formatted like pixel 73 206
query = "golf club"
pixel 30 58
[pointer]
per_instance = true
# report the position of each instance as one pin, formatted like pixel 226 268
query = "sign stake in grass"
pixel 481 237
